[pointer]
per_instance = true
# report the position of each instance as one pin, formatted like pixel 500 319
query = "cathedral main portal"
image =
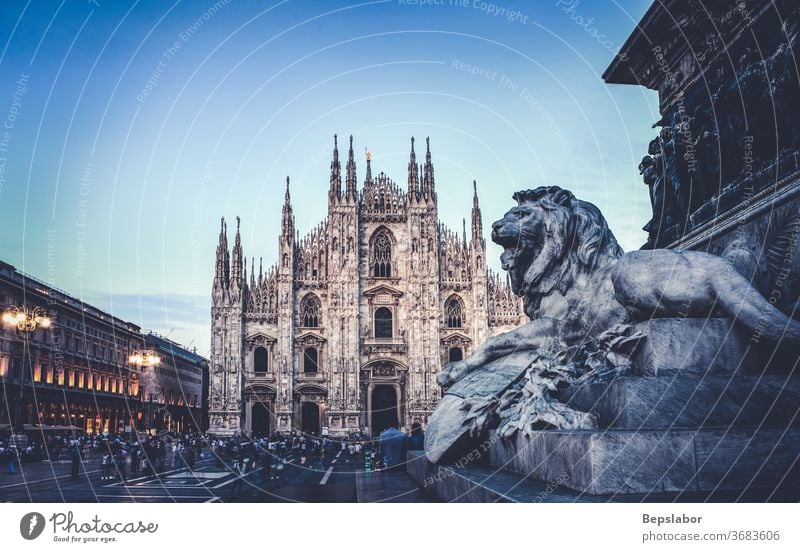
pixel 383 384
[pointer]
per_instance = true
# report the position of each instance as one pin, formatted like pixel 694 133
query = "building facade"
pixel 76 373
pixel 175 392
pixel 350 327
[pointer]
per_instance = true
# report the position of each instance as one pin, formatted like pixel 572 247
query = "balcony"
pixel 265 377
pixel 311 376
pixel 393 345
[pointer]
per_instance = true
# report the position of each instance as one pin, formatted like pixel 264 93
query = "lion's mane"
pixel 582 239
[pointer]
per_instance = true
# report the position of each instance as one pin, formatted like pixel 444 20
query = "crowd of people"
pixel 117 456
pixel 125 456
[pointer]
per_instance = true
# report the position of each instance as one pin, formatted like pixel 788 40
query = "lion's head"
pixel 551 237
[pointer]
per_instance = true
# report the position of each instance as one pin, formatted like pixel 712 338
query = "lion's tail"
pixel 749 308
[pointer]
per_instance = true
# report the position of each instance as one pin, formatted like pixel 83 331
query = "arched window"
pixel 383 323
pixel 310 311
pixel 260 361
pixel 456 353
pixel 310 361
pixel 382 256
pixel 454 312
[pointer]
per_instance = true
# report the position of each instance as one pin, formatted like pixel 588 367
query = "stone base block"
pixel 654 461
pixel 690 402
pixel 448 483
pixel 694 346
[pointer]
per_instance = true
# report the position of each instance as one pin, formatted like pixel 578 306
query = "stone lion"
pixel 580 290
pixel 576 282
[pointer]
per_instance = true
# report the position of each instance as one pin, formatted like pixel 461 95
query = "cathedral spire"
pixel 287 218
pixel 252 272
pixel 369 166
pixel 336 172
pixel 464 232
pixel 221 269
pixel 477 219
pixel 260 269
pixel 413 175
pixel 429 189
pixel 236 262
pixel 351 171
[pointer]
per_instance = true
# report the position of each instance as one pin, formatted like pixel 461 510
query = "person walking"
pixel 13 461
pixel 75 456
pixel 393 445
pixel 191 456
pixel 119 464
pixel 239 473
pixel 416 439
pixel 161 453
pixel 135 460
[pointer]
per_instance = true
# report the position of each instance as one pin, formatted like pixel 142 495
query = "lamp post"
pixel 143 360
pixel 26 321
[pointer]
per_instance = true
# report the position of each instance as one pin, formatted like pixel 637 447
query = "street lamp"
pixel 144 359
pixel 26 321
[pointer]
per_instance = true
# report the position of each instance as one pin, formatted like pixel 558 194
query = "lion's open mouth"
pixel 509 244
pixel 513 250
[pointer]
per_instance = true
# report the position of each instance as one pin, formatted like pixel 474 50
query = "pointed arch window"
pixel 383 323
pixel 260 360
pixel 456 354
pixel 454 312
pixel 310 361
pixel 382 256
pixel 310 312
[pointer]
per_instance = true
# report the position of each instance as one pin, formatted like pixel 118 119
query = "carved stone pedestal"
pixel 694 346
pixel 654 461
pixel 690 402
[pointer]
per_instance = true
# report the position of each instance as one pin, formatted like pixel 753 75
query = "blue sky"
pixel 131 127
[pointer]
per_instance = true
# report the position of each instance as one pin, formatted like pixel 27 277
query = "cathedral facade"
pixel 350 327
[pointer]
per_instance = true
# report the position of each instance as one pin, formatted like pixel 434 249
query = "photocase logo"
pixel 31 525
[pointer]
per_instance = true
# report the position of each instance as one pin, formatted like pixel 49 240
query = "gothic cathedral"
pixel 348 330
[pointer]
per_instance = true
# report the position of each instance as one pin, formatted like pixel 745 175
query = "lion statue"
pixel 577 284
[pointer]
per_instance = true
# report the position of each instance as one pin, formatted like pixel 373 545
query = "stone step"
pixel 655 461
pixel 475 483
pixel 688 402
pixel 389 486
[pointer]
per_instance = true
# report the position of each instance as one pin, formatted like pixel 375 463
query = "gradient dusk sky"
pixel 130 127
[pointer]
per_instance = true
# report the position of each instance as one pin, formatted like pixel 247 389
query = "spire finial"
pixel 336 172
pixel 428 144
pixel 477 218
pixel 350 179
pixel 412 144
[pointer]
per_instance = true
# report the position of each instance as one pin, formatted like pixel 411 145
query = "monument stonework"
pixel 353 323
pixel 672 369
